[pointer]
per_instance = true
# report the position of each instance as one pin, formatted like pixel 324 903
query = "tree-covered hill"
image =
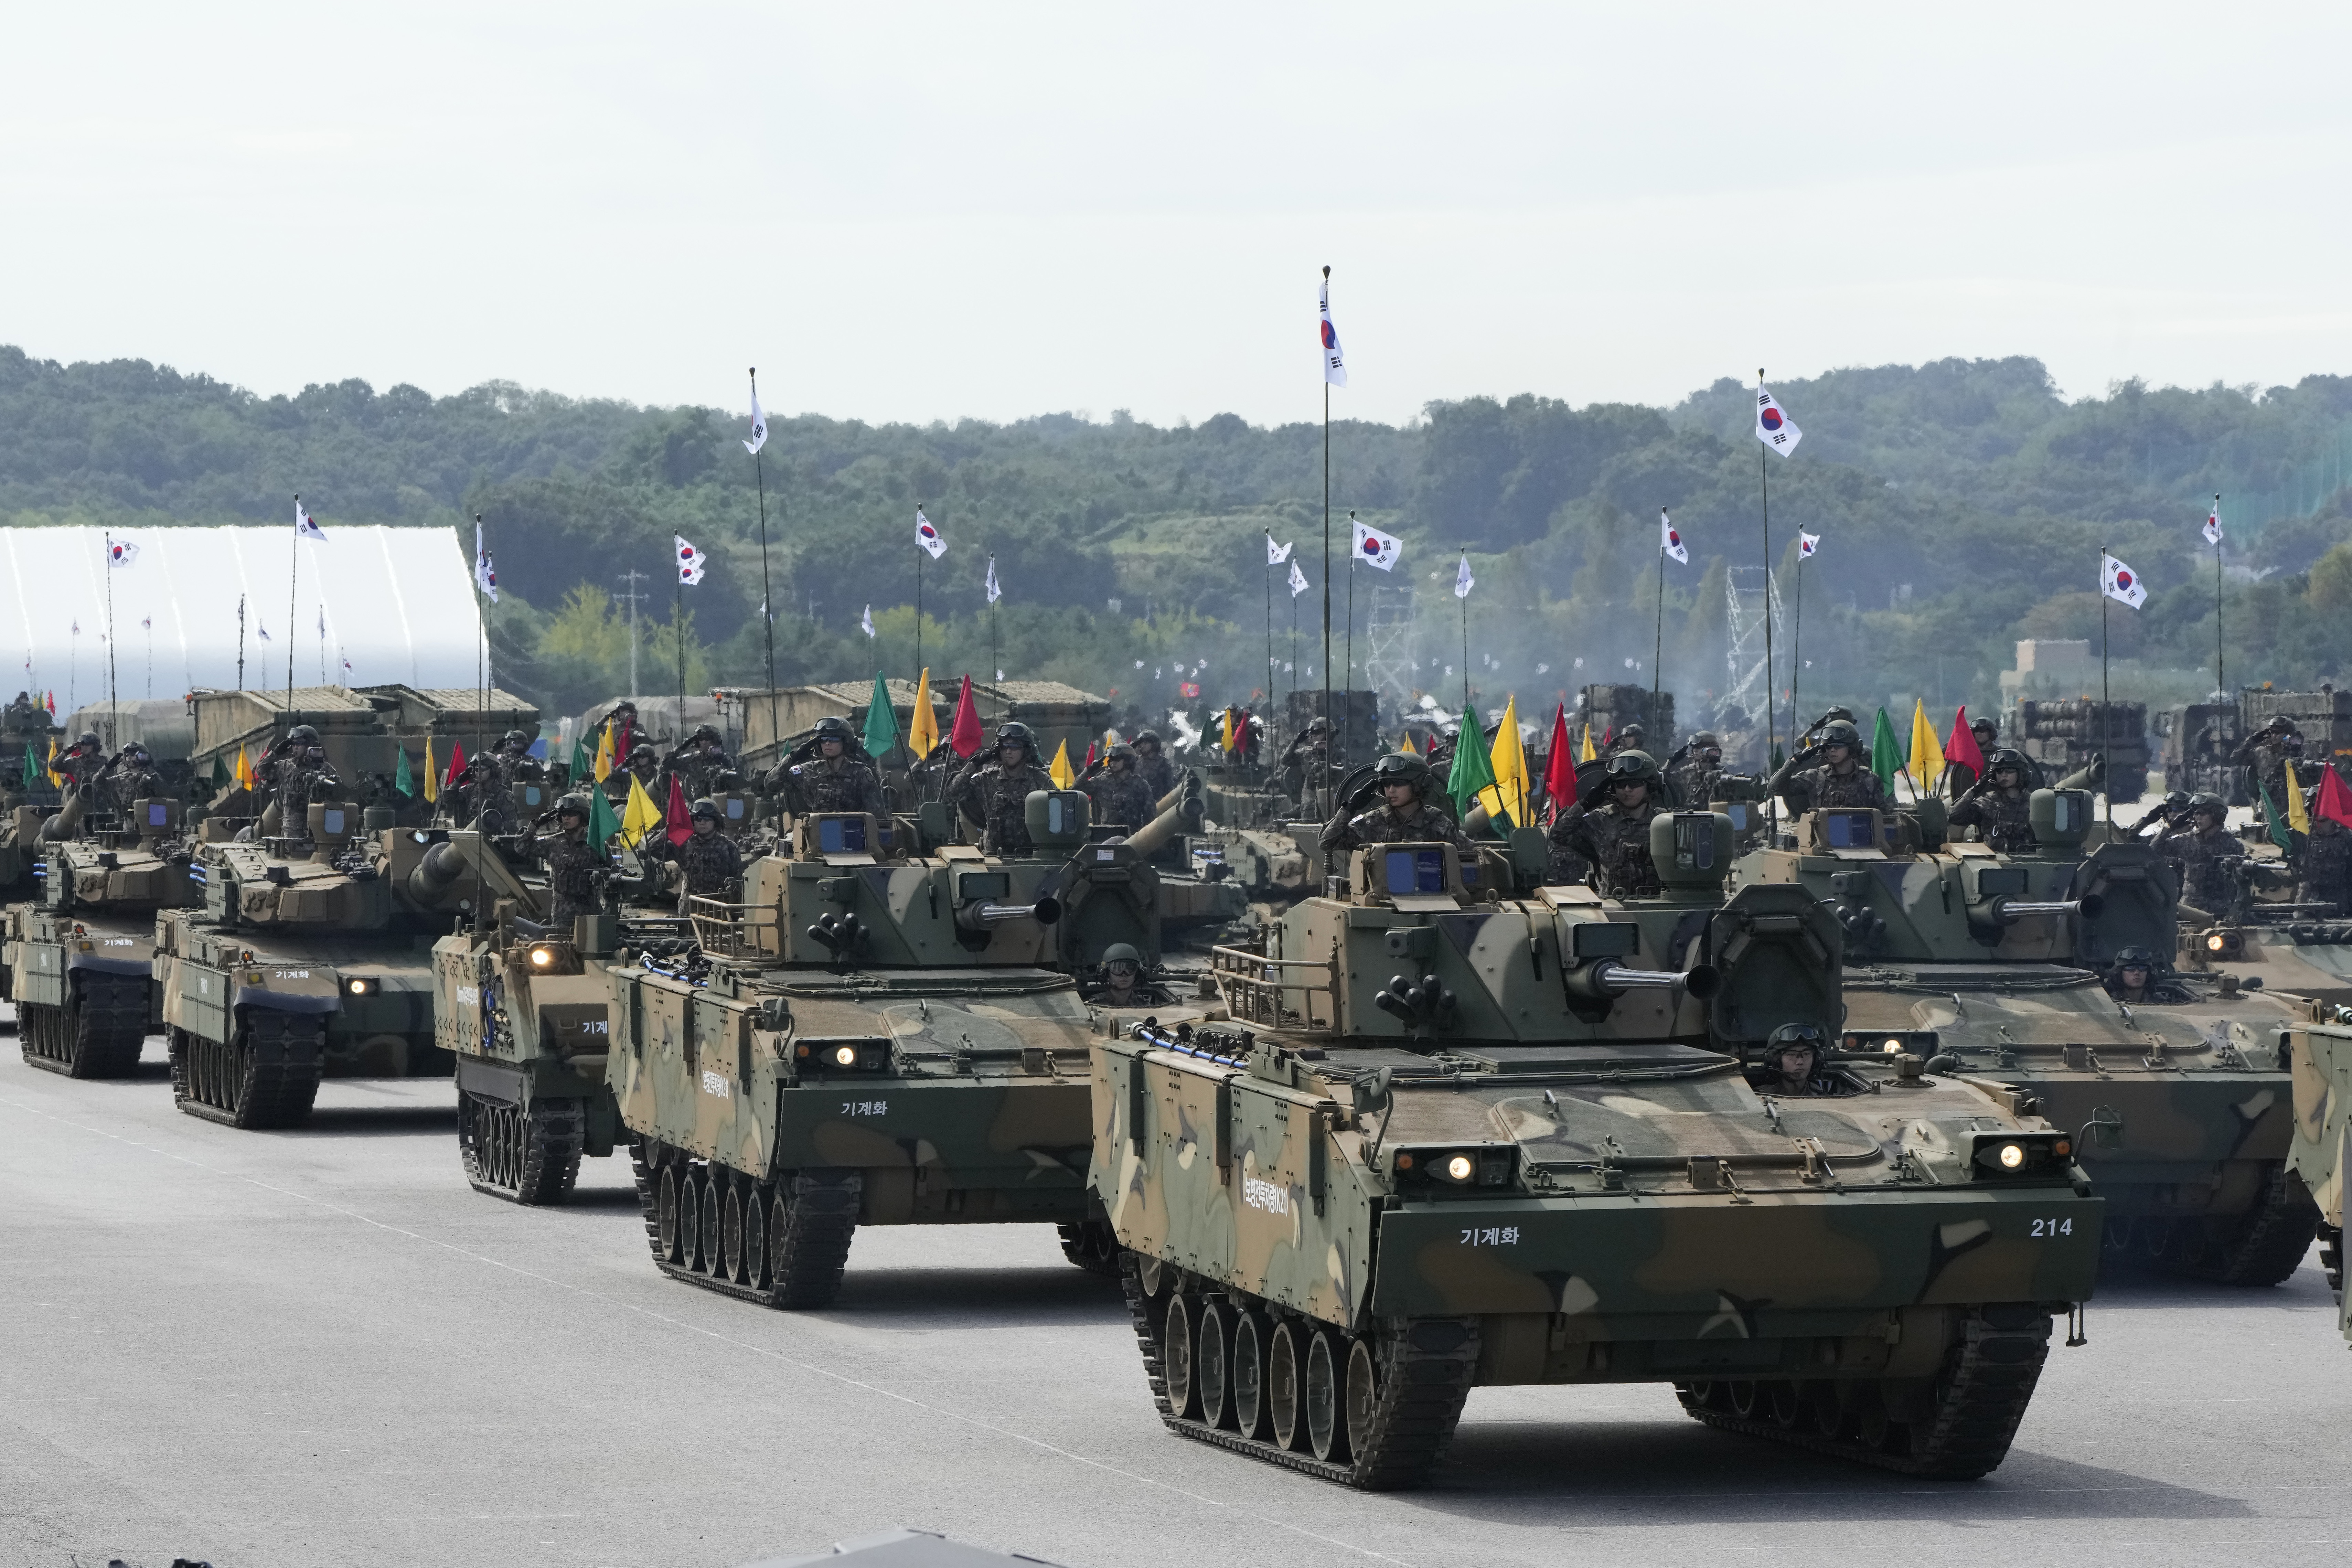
pixel 1961 505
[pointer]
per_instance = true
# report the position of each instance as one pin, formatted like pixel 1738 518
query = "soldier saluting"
pixel 1613 835
pixel 1998 805
pixel 2202 849
pixel 1118 793
pixel 838 777
pixel 994 790
pixel 1402 817
pixel 1829 773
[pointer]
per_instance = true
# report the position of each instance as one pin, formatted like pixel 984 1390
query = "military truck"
pixel 1449 1132
pixel 79 963
pixel 871 1037
pixel 297 964
pixel 2320 1047
pixel 1993 964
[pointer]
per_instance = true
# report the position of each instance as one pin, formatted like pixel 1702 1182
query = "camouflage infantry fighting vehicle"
pixel 865 1040
pixel 297 965
pixel 1444 1139
pixel 79 963
pixel 2263 937
pixel 1992 965
pixel 2321 1053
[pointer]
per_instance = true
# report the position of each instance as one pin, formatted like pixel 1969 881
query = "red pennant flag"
pixel 1608 736
pixel 1090 757
pixel 457 765
pixel 965 734
pixel 2335 800
pixel 1962 747
pixel 1559 765
pixel 676 824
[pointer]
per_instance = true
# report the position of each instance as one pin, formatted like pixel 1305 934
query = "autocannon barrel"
pixel 981 917
pixel 1605 979
pixel 2004 910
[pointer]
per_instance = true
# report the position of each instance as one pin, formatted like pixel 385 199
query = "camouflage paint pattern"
pixel 2322 1055
pixel 527 1020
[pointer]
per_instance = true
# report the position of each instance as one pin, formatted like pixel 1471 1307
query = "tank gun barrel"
pixel 440 871
pixel 1187 788
pixel 982 917
pixel 1605 979
pixel 1184 813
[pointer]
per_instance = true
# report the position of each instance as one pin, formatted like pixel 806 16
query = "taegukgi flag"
pixel 1806 544
pixel 121 553
pixel 927 536
pixel 2119 582
pixel 486 572
pixel 995 591
pixel 1773 427
pixel 1335 364
pixel 690 562
pixel 865 622
pixel 1463 580
pixel 1374 548
pixel 759 425
pixel 303 527
pixel 1275 555
pixel 1670 538
pixel 2213 523
pixel 1297 586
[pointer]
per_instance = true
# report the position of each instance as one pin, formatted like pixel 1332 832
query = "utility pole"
pixel 633 595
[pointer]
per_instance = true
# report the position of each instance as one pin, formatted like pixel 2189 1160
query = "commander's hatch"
pixel 1843 833
pixel 1414 878
pixel 836 838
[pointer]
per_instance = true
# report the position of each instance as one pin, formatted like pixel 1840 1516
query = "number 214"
pixel 2053 1227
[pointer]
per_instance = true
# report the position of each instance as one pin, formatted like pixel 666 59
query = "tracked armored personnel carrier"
pixel 1992 965
pixel 299 965
pixel 80 961
pixel 867 1038
pixel 1450 1134
pixel 2321 1051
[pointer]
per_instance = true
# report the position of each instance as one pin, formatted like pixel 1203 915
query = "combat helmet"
pixel 1839 733
pixel 1121 952
pixel 2138 958
pixel 833 727
pixel 1122 750
pixel 2009 758
pixel 1143 735
pixel 1400 767
pixel 1016 734
pixel 1630 767
pixel 573 804
pixel 1706 741
pixel 706 807
pixel 513 738
pixel 2206 800
pixel 704 732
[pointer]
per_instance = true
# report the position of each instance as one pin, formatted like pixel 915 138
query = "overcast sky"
pixel 919 212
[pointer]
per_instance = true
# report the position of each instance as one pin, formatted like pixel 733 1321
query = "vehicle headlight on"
pixel 2011 1156
pixel 845 1056
pixel 1999 1156
pixel 541 957
pixel 2214 943
pixel 1460 1168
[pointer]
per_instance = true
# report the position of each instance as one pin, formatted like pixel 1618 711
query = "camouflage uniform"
pixel 297 783
pixel 1821 789
pixel 127 784
pixel 571 867
pixel 2263 755
pixel 2326 872
pixel 996 797
pixel 1157 772
pixel 711 863
pixel 839 783
pixel 2002 818
pixel 1697 783
pixel 2203 876
pixel 1615 841
pixel 1418 823
pixel 696 770
pixel 1122 798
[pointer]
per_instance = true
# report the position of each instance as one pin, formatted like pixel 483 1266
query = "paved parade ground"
pixel 322 1347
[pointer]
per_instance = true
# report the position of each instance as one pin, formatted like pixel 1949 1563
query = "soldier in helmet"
pixel 2139 978
pixel 2264 755
pixel 574 866
pixel 712 865
pixel 1152 765
pixel 1400 780
pixel 2327 870
pixel 1960 777
pixel 1123 984
pixel 83 762
pixel 1611 834
pixel 839 776
pixel 1830 774
pixel 1121 796
pixel 698 763
pixel 1305 771
pixel 2202 849
pixel 130 776
pixel 1793 1058
pixel 994 790
pixel 1699 776
pixel 1998 805
pixel 641 765
pixel 297 767
pixel 1631 738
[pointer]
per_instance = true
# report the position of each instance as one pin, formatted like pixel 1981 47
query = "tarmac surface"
pixel 322 1347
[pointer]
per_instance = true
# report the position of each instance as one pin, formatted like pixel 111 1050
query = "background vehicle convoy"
pixel 1990 964
pixel 1449 1136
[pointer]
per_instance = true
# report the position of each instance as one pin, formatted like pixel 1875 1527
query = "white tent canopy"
pixel 396 604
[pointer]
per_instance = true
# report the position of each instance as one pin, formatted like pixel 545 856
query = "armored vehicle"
pixel 867 1038
pixel 1448 1134
pixel 80 961
pixel 2322 1057
pixel 1994 963
pixel 297 964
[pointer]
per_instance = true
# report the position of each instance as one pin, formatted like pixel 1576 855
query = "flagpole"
pixel 1797 642
pixel 1764 482
pixel 1465 644
pixel 919 553
pixel 1269 624
pixel 114 700
pixel 1348 733
pixel 240 642
pixel 767 594
pixel 1327 569
pixel 293 575
pixel 678 628
pixel 2218 687
pixel 2105 784
pixel 1658 646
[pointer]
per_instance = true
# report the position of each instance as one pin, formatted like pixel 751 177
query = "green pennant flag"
pixel 402 779
pixel 881 725
pixel 1472 770
pixel 602 823
pixel 1779 756
pixel 221 779
pixel 2281 834
pixel 33 771
pixel 583 766
pixel 1886 753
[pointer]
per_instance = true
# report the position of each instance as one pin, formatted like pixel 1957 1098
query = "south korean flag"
pixel 1670 538
pixel 1275 555
pixel 1297 586
pixel 1806 544
pixel 2120 582
pixel 927 535
pixel 1374 548
pixel 303 527
pixel 690 562
pixel 1773 427
pixel 2213 524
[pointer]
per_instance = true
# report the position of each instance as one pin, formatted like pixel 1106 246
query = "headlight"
pixel 2214 943
pixel 2013 1155
pixel 541 957
pixel 1483 1165
pixel 358 987
pixel 1459 1168
pixel 845 1056
pixel 1998 1156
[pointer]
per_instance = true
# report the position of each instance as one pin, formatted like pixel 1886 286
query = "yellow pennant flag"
pixel 243 769
pixel 2298 816
pixel 603 767
pixel 58 780
pixel 923 731
pixel 432 773
pixel 1586 753
pixel 1507 796
pixel 1406 744
pixel 641 816
pixel 1927 764
pixel 1060 772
